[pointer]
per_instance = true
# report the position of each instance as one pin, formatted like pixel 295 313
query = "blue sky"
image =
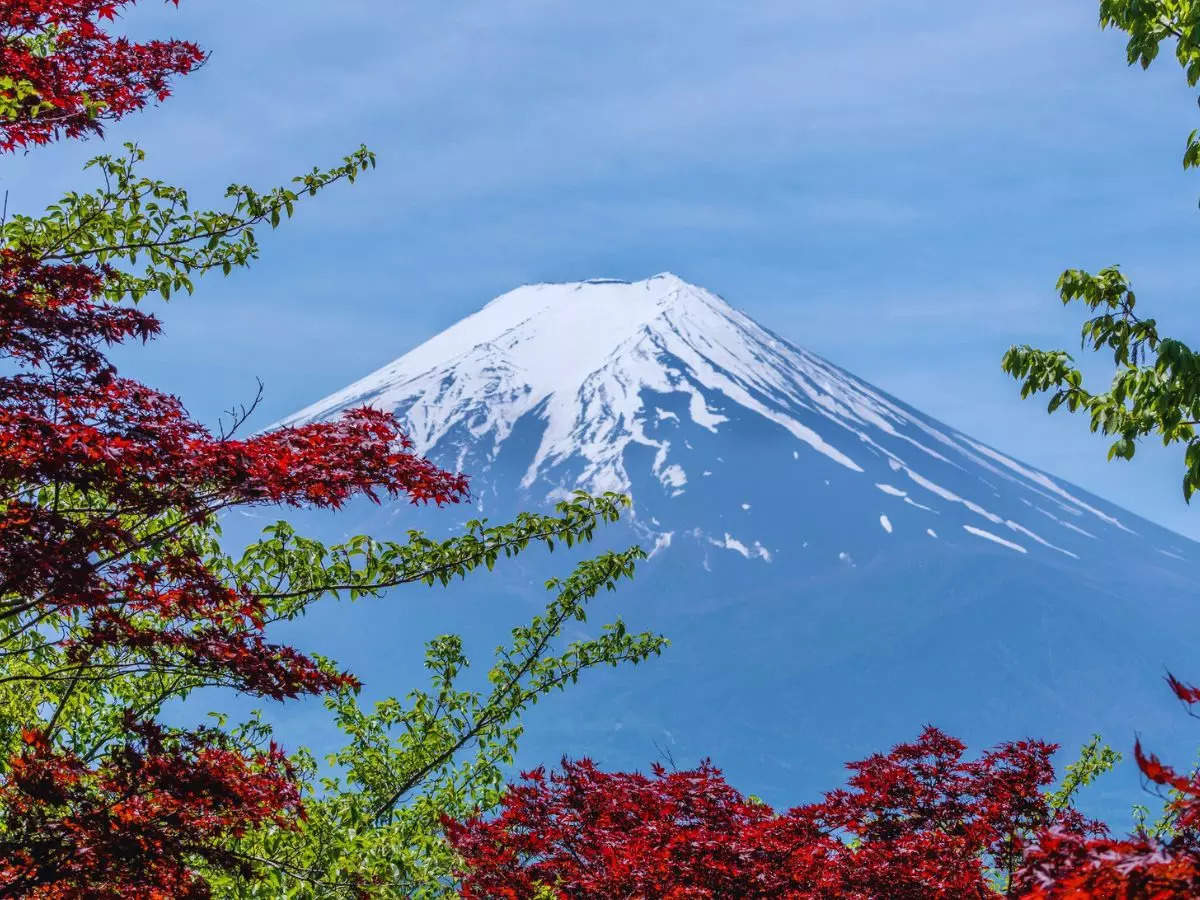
pixel 893 184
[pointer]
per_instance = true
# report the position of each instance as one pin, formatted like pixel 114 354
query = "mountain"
pixel 834 568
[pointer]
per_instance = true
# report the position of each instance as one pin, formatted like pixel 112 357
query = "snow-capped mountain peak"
pixel 581 349
pixel 613 386
pixel 585 351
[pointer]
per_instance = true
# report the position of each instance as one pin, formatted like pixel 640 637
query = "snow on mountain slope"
pixel 586 360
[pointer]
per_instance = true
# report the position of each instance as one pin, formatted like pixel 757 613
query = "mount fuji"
pixel 834 568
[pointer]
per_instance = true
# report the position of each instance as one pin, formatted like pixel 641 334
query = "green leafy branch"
pixel 290 572
pixel 441 752
pixel 131 219
pixel 1156 385
pixel 1095 759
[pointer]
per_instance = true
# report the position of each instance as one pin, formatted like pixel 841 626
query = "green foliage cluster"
pixel 375 825
pixel 1095 759
pixel 1155 389
pixel 443 751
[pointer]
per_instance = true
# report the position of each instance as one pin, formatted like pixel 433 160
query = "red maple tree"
pixel 103 483
pixel 128 827
pixel 61 74
pixel 918 822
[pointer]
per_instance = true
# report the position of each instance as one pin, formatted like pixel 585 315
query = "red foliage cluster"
pixel 67 74
pixel 1068 865
pixel 589 834
pixel 125 827
pixel 128 469
pixel 920 822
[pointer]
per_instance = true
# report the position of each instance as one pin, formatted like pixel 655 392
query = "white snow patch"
pixel 1025 531
pixel 931 532
pixel 846 401
pixel 1043 481
pixel 702 415
pixel 731 543
pixel 1075 527
pixel 979 510
pixel 795 455
pixel 979 532
pixel 665 415
pixel 886 523
pixel 846 558
pixel 1070 525
pixel 673 476
pixel 745 506
pixel 1172 555
pixel 911 502
pixel 951 496
pixel 893 491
